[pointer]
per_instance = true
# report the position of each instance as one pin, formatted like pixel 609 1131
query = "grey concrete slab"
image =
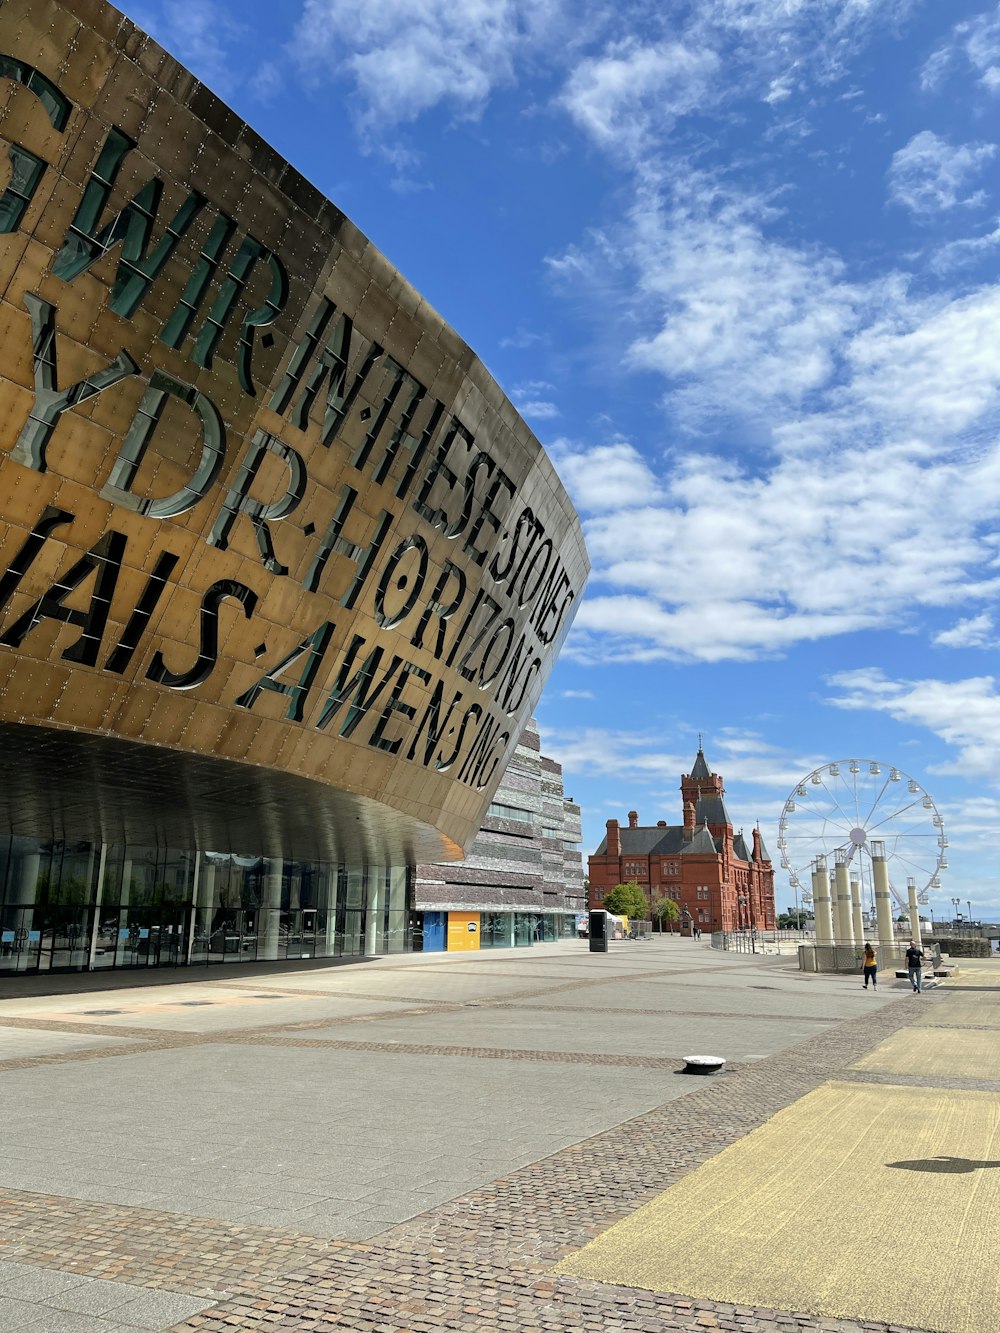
pixel 15 1315
pixel 59 1321
pixel 683 994
pixel 202 1122
pixel 23 1043
pixel 228 1010
pixel 38 1284
pixel 664 1036
pixel 157 1309
pixel 443 985
pixel 96 1297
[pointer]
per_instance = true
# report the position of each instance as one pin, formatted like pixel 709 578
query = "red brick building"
pixel 717 880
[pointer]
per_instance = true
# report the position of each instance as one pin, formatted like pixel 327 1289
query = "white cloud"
pixel 974 42
pixel 866 489
pixel 735 320
pixel 522 338
pixel 199 33
pixel 730 564
pixel 529 400
pixel 607 476
pixel 631 93
pixel 966 250
pixel 405 57
pixel 965 714
pixel 975 632
pixel 632 89
pixel 930 175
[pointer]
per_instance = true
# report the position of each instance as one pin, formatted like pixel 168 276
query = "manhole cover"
pixel 190 1004
pixel 100 1013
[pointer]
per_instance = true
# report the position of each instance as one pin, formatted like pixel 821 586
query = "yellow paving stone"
pixel 936 1053
pixel 963 1010
pixel 855 1202
pixel 975 972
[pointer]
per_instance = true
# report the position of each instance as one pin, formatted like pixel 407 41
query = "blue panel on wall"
pixel 434 928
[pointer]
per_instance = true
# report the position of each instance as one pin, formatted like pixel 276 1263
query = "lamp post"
pixel 956 902
pixel 969 906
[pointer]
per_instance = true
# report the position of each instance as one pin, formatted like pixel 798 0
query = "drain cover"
pixel 99 1013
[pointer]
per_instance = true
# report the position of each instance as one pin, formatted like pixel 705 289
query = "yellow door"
pixel 463 931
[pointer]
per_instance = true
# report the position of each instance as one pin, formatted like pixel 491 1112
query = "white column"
pixel 95 925
pixel 195 883
pixel 911 892
pixel 376 876
pixel 821 902
pixel 269 916
pixel 845 926
pixel 856 913
pixel 883 901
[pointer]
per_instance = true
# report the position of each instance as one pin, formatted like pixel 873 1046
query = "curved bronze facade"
pixel 281 568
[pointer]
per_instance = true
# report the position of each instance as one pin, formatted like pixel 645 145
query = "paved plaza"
pixel 501 1140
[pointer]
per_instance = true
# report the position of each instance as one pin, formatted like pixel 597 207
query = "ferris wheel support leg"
pixel 858 918
pixel 821 902
pixel 914 916
pixel 883 908
pixel 845 925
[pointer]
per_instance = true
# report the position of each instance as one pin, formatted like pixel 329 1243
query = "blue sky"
pixel 736 263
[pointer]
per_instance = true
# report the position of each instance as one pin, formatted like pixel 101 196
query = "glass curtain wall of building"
pixel 72 906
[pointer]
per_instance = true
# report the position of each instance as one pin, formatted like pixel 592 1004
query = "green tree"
pixel 627 900
pixel 792 920
pixel 667 911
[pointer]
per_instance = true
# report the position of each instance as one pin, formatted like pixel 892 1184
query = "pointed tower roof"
pixel 740 848
pixel 700 769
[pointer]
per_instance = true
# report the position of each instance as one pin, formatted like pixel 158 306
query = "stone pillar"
pixel 845 926
pixel 883 902
pixel 821 902
pixel 857 914
pixel 911 893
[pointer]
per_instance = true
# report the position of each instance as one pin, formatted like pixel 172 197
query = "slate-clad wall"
pixel 513 864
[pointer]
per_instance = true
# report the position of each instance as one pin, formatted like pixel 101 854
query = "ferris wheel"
pixel 860 808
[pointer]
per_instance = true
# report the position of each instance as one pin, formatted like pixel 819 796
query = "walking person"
pixel 914 967
pixel 870 961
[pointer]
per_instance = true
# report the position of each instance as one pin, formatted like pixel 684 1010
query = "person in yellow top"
pixel 870 962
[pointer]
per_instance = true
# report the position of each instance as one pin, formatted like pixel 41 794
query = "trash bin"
pixel 598 932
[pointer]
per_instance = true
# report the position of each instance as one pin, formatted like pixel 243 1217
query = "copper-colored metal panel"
pixel 280 565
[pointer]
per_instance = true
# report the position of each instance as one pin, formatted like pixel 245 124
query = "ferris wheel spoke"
pixel 896 814
pixel 819 812
pixel 875 804
pixel 920 866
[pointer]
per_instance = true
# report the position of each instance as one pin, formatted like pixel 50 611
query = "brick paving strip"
pixel 478 1262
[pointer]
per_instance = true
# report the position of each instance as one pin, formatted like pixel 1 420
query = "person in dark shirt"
pixel 914 967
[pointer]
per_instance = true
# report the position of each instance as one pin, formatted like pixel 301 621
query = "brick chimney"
pixel 633 819
pixel 688 820
pixel 614 839
pixel 757 845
